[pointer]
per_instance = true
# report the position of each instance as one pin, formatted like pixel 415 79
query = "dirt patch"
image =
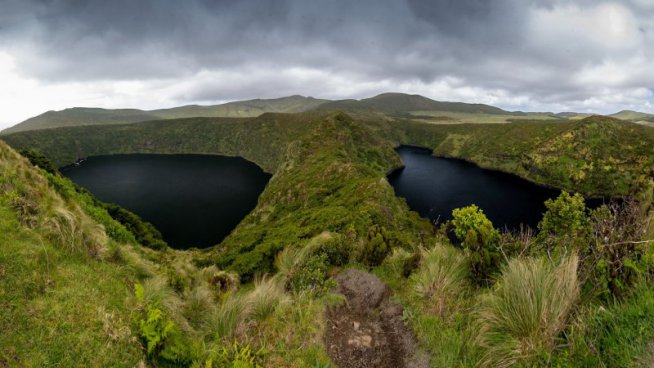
pixel 367 330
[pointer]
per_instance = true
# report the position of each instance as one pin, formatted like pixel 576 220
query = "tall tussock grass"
pixel 519 321
pixel 74 230
pixel 266 296
pixel 239 310
pixel 441 277
pixel 38 205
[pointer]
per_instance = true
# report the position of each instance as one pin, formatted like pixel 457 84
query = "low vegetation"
pixel 83 282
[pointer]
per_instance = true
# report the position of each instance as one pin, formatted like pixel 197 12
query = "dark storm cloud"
pixel 521 50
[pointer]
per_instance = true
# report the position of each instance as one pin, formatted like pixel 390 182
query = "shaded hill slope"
pixel 79 116
pixel 262 140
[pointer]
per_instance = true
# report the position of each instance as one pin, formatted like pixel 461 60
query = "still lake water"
pixel 194 200
pixel 434 186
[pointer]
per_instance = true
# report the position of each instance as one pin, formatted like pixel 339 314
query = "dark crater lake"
pixel 194 200
pixel 434 186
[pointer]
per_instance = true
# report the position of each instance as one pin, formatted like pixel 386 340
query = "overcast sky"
pixel 533 55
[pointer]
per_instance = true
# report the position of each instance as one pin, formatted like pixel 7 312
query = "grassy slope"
pixel 60 306
pixel 95 116
pixel 66 288
pixel 595 156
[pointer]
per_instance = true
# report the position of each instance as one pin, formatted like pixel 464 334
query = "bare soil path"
pixel 367 330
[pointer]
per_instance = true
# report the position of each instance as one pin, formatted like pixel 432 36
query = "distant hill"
pixel 631 115
pixel 402 104
pixel 243 109
pixel 80 116
pixel 572 115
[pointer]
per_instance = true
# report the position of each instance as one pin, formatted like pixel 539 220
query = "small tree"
pixel 479 239
pixel 565 224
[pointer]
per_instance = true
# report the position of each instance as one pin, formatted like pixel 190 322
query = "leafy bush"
pixel 311 275
pixel 336 249
pixel 565 225
pixel 376 246
pixel 479 239
pixel 609 242
pixel 520 320
pixel 259 261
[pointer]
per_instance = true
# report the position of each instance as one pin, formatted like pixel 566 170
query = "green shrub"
pixel 617 256
pixel 480 240
pixel 376 246
pixel 259 261
pixel 565 225
pixel 521 319
pixel 336 249
pixel 311 275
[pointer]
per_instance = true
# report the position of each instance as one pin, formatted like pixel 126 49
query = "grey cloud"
pixel 485 44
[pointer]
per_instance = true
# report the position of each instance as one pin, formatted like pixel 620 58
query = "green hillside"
pixel 633 116
pixel 400 103
pixel 595 156
pixel 262 140
pixel 81 116
pixel 242 109
pixel 77 288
